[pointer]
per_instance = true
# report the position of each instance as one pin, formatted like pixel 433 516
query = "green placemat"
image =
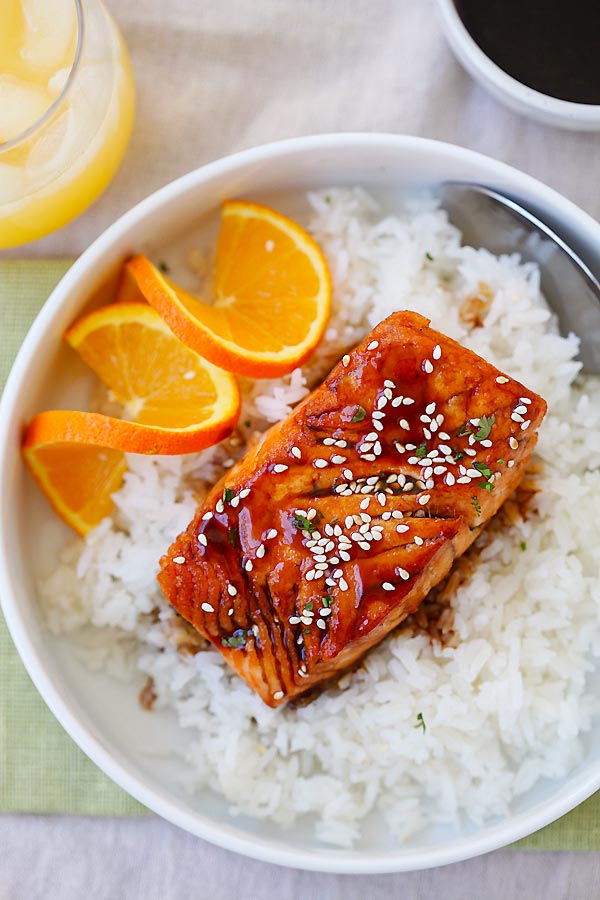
pixel 41 769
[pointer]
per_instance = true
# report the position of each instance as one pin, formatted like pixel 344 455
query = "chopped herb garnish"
pixel 421 450
pixel 327 600
pixel 523 546
pixel 500 461
pixel 334 521
pixel 327 198
pixel 228 495
pixel 421 723
pixel 483 468
pixel 487 486
pixel 475 503
pixel 457 454
pixel 237 639
pixel 359 415
pixel 464 430
pixel 309 606
pixel 163 267
pixel 485 426
pixel 303 523
pixel 233 536
pixel 428 256
pixel 318 515
pixel 306 630
pixel 247 423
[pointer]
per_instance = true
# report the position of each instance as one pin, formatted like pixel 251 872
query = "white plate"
pixel 103 718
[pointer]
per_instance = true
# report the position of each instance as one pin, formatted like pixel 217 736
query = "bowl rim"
pixel 523 98
pixel 511 828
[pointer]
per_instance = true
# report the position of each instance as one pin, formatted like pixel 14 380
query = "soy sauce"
pixel 552 46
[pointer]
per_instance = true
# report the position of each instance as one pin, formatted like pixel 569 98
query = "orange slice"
pixel 272 295
pixel 176 402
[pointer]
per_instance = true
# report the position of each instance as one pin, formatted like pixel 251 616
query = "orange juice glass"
pixel 66 112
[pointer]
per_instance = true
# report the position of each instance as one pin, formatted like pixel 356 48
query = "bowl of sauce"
pixel 540 57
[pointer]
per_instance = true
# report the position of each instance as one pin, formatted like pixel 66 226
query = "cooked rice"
pixel 423 732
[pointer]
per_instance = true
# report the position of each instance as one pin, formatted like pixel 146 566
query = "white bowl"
pixel 519 97
pixel 103 718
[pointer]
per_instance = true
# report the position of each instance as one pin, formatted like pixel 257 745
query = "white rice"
pixel 506 702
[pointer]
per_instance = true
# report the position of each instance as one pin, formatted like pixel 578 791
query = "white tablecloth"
pixel 214 77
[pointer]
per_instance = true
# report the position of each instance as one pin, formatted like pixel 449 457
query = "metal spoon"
pixel 491 220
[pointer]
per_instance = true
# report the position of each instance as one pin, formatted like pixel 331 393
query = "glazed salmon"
pixel 329 533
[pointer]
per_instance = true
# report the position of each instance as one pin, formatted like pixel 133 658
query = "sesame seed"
pixel 325 611
pixel 403 573
pixel 231 611
pixel 271 533
pixel 396 402
pixel 473 473
pixel 471 452
pixel 202 539
pixel 388 586
pixel 463 480
pixel 329 442
pixel 328 529
pixel 300 512
pixel 279 468
pixel 434 426
pixel 386 515
pixel 249 565
pixel 278 695
pixel 513 442
pixel 207 515
pixel 207 607
pixel 345 359
pixel 341 444
pixel 439 470
pixel 306 620
pixel 428 472
pixel 418 540
pixel 444 448
pixel 343 584
pixel 501 379
pixel 402 528
pixel 378 415
pixel 443 436
pixel 485 443
pixel 294 620
pixel 413 460
pixel 525 400
pixel 425 418
pixel 347 473
pixel 179 560
pixel 521 409
pixel 408 487
pixel 373 345
pixel 428 366
pixel 510 463
pixel 381 498
pixel 235 502
pixel 348 521
pixel 321 566
pixel 449 479
pixel 404 424
pixel 366 445
pixel 408 401
pixel 525 425
pixel 231 590
pixel 321 624
pixel 320 463
pixel 344 556
pixel 365 503
pixel 475 421
pixel 437 352
pixel 329 546
pixel 369 457
pixel 516 417
pixel 219 506
pixel 387 394
pixel 424 499
pixel 245 493
pixel 382 402
pixel 429 409
pixel 320 558
pixel 310 574
pixel 338 460
pixel 296 452
pixel 427 433
pixel 261 551
pixel 389 384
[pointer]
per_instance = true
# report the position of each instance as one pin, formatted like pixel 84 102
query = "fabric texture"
pixel 41 769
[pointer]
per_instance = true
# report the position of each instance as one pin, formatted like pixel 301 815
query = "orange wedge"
pixel 175 401
pixel 272 295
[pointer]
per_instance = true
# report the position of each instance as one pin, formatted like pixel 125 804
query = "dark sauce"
pixel 552 46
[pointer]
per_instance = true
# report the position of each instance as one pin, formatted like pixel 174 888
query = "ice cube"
pixel 57 82
pixel 54 150
pixel 21 104
pixel 12 184
pixel 50 36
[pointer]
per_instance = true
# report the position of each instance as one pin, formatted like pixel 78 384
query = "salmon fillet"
pixel 332 530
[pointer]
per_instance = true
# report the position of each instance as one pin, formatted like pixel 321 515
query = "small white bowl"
pixel 519 97
pixel 134 748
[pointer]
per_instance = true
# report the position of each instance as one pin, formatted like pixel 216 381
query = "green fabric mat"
pixel 41 769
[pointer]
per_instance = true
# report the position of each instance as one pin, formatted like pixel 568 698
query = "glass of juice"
pixel 66 111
